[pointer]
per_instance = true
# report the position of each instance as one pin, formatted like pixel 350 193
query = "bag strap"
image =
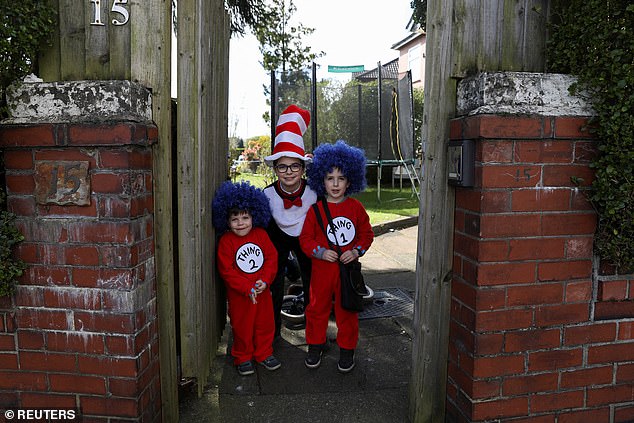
pixel 321 224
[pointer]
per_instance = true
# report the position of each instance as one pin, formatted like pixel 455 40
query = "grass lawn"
pixel 394 204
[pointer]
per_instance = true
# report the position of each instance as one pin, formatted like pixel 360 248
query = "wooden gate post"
pixel 130 40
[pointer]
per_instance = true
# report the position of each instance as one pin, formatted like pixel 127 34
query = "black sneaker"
pixel 271 363
pixel 246 368
pixel 313 357
pixel 346 360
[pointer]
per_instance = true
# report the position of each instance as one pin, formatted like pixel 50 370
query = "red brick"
pixel 493 251
pixel 31 340
pixel 626 331
pixel 120 407
pixel 611 395
pixel 77 384
pixel 495 126
pixel 51 254
pixel 7 342
pixel 42 319
pixel 463 292
pixel 466 246
pixel 65 154
pixel 81 342
pixel 27 135
pixel 495 201
pixel 540 199
pixel 586 377
pixel 116 207
pixel 572 127
pixel 23 381
pixel 107 366
pixel 519 385
pixel 120 345
pixel 104 322
pixel 613 290
pixel 489 343
pixel 490 299
pixel 585 416
pixel 579 248
pixel 18 159
pixel 461 336
pixel 585 151
pixel 455 129
pixel 21 206
pixel 495 152
pixel 108 183
pixel 579 200
pixel 20 184
pixel 51 210
pixel 556 401
pixel 116 134
pixel 47 401
pixel 29 296
pixel 119 256
pixel 125 159
pixel 47 276
pixel 536 248
pixel 614 310
pixel 72 298
pixel 554 360
pixel 562 314
pixel 124 387
pixel 81 255
pixel 498 366
pixel 590 334
pixel 567 176
pixel 500 408
pixel 535 294
pixel 511 225
pixel 102 232
pixel 503 320
pixel 564 270
pixel 8 361
pixel 543 151
pixel 506 273
pixel 530 340
pixel 624 414
pixel 612 353
pixel 502 176
pixel 578 291
pixel 569 224
pixel 48 362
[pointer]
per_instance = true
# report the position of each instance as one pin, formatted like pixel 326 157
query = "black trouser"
pixel 284 244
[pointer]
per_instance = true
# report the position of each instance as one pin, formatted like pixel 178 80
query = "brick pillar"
pixel 80 332
pixel 525 344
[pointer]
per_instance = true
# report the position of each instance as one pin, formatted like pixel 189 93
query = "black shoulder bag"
pixel 352 284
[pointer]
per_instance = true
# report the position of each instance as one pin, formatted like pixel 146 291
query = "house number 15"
pixel 116 8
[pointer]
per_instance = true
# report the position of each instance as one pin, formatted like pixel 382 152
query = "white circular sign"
pixel 249 258
pixel 344 228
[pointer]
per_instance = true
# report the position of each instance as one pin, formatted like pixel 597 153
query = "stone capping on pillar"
pixel 79 101
pixel 519 93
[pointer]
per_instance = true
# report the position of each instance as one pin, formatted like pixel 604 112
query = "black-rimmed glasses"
pixel 283 168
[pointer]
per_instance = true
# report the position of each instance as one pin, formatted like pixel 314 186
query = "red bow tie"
pixel 290 203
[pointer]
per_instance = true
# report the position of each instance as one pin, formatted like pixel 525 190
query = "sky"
pixel 350 32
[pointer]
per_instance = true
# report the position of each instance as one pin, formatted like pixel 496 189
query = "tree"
pixel 420 13
pixel 281 43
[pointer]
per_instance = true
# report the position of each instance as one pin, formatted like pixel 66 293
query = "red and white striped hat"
pixel 289 141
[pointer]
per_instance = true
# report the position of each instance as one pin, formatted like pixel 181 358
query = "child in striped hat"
pixel 289 199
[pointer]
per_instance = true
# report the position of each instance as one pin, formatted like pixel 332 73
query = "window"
pixel 414 61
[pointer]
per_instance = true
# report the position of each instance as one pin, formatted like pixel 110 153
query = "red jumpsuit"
pixel 241 262
pixel 353 231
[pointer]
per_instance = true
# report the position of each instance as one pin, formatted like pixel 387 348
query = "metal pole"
pixel 379 168
pixel 313 112
pixel 273 104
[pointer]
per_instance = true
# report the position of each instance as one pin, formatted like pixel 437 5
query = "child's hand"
pixel 260 286
pixel 252 295
pixel 350 255
pixel 330 255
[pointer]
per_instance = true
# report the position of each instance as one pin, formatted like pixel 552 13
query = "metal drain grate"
pixel 389 302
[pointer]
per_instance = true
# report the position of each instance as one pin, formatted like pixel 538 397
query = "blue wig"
pixel 239 196
pixel 349 160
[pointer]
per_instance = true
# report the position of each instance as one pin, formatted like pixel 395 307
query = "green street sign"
pixel 342 69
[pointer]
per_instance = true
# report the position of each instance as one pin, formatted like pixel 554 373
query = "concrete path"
pixel 375 391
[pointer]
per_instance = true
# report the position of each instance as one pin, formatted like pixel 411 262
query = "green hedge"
pixel 593 39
